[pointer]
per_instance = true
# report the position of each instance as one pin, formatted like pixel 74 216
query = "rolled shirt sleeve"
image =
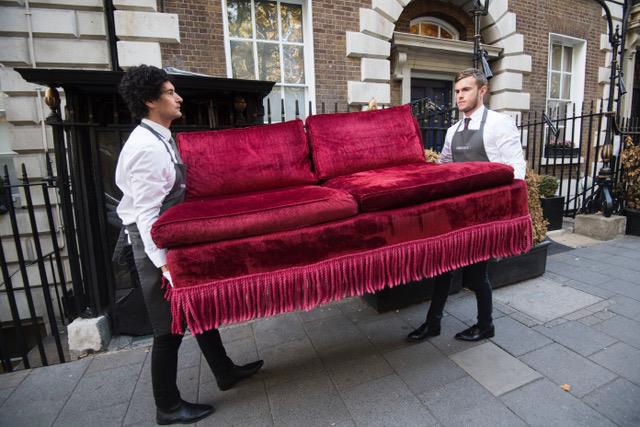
pixel 445 154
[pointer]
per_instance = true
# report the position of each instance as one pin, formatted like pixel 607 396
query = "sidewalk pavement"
pixel 344 364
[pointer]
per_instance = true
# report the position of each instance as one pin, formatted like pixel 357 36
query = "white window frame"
pixel 578 67
pixel 309 66
pixel 436 21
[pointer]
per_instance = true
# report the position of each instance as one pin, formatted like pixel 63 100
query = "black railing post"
pixel 282 113
pixel 44 282
pixel 54 237
pixel 268 111
pixel 604 198
pixel 52 98
pixel 23 272
pixel 8 284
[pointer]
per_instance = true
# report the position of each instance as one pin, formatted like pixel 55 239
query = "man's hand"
pixel 166 274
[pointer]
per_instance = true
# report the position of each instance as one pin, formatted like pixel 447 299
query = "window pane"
pixel 291 95
pixel 568 58
pixel 242 60
pixel 414 29
pixel 566 86
pixel 268 62
pixel 556 57
pixel 293 64
pixel 555 86
pixel 445 34
pixel 291 15
pixel 266 20
pixel 430 30
pixel 239 14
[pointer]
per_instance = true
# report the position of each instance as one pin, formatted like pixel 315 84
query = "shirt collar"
pixel 476 116
pixel 166 133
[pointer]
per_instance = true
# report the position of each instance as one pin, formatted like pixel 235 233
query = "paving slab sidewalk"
pixel 568 356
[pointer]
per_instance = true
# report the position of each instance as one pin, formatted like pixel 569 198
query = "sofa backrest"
pixel 345 143
pixel 245 159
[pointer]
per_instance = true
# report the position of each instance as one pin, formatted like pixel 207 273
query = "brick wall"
pixel 582 19
pixel 201 47
pixel 331 20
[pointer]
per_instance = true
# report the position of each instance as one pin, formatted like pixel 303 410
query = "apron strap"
pixel 172 151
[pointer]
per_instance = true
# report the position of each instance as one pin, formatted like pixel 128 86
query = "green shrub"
pixel 548 185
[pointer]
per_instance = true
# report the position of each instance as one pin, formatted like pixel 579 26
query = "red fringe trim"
pixel 209 305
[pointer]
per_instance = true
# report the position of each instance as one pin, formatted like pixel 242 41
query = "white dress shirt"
pixel 145 173
pixel 501 140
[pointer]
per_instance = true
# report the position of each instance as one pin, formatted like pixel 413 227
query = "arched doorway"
pixel 389 56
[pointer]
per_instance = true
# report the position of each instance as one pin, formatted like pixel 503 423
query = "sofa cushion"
pixel 251 214
pixel 247 159
pixel 345 143
pixel 417 183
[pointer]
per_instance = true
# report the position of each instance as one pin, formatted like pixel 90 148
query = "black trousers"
pixel 164 364
pixel 476 278
pixel 164 356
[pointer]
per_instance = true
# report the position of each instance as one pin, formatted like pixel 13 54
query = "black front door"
pixel 439 91
pixel 434 127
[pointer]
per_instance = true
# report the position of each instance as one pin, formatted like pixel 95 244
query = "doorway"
pixel 439 91
pixel 434 125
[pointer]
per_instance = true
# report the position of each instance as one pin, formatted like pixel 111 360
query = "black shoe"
pixel 229 379
pixel 474 333
pixel 184 413
pixel 425 330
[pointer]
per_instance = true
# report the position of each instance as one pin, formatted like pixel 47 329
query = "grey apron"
pixel 149 275
pixel 468 145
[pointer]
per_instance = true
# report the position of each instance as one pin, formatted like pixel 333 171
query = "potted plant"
pixel 506 271
pixel 552 205
pixel 630 162
pixel 560 148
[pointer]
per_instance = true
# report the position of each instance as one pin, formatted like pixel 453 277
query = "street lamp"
pixel 480 55
pixel 603 198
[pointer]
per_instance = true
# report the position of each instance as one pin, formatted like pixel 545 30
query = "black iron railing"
pixel 34 280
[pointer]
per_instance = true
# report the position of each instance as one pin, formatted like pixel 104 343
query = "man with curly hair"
pixel 151 176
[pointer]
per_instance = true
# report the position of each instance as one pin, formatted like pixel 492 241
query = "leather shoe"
pixel 184 413
pixel 425 330
pixel 237 373
pixel 474 333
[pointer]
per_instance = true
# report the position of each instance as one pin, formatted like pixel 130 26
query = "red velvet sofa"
pixel 280 219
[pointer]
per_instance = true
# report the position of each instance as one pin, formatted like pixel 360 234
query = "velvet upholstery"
pixel 210 262
pixel 344 143
pixel 415 183
pixel 250 214
pixel 246 159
